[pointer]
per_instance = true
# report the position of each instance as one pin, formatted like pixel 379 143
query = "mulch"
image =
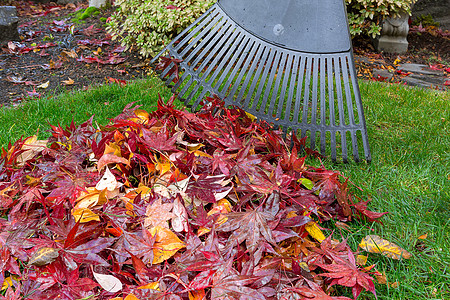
pixel 56 54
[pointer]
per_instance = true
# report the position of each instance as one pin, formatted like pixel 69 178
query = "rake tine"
pixel 254 58
pixel 294 67
pixel 273 72
pixel 359 107
pixel 210 65
pixel 279 75
pixel 323 63
pixel 240 43
pixel 206 38
pixel 167 69
pixel 244 48
pixel 241 74
pixel 332 115
pixel 193 42
pixel 314 97
pixel 193 92
pixel 185 89
pixel 237 37
pixel 337 73
pixel 180 81
pixel 263 54
pixel 210 39
pixel 263 78
pixel 340 108
pixel 199 99
pixel 284 86
pixel 351 116
pixel 207 17
pixel 306 89
pixel 298 98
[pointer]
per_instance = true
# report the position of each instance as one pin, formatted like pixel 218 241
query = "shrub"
pixel 365 16
pixel 151 24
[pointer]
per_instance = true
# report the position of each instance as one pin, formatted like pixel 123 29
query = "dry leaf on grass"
pixel 44 85
pixel 375 244
pixel 68 81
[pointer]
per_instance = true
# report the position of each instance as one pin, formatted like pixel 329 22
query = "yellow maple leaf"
pixel 313 229
pixel 197 295
pixel 131 297
pixel 163 166
pixel 423 236
pixel 166 244
pixel 142 116
pixel 90 198
pixel 221 207
pixel 8 282
pixel 361 260
pixel 150 286
pixel 84 215
pixel 375 244
pixel 113 148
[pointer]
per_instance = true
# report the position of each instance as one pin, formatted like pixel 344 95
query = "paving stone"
pixel 8 24
pixel 420 69
pixel 378 73
pixel 425 81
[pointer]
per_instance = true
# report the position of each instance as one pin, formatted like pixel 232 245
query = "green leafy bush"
pixel 151 24
pixel 365 16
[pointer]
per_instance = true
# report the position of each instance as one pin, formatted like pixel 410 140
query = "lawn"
pixel 409 176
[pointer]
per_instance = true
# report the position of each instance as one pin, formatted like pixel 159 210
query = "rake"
pixel 288 62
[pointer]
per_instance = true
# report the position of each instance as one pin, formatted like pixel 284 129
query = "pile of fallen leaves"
pixel 173 205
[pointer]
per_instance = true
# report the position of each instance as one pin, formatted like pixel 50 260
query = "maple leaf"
pixel 346 273
pixel 140 244
pixel 166 244
pixel 208 189
pixel 91 30
pixel 158 214
pixel 250 226
pixel 165 62
pixel 363 212
pixel 238 242
pixel 310 291
pixel 93 42
pixel 52 65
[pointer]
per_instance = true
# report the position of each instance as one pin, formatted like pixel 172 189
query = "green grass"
pixel 104 103
pixel 409 176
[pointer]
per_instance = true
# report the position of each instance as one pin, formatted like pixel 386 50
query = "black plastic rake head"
pixel 288 62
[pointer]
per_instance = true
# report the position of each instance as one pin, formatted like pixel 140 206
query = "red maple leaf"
pixel 362 211
pixel 346 273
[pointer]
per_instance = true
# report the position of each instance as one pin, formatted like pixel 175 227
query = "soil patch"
pixel 57 53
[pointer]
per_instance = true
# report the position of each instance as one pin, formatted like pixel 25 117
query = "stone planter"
pixel 8 24
pixel 393 34
pixel 97 3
